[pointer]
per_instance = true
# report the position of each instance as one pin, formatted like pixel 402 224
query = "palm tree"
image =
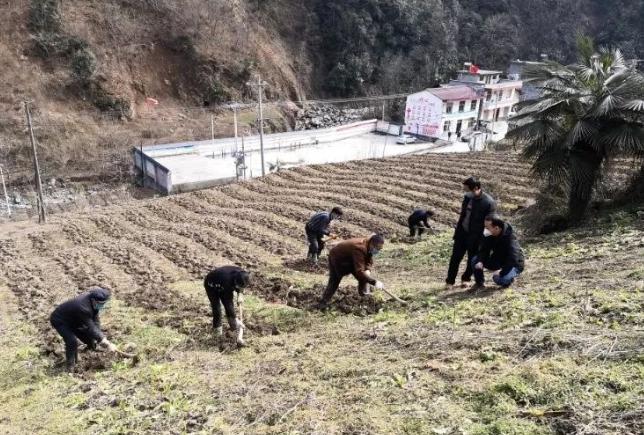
pixel 587 115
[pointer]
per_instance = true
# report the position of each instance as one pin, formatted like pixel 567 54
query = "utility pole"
pixel 42 215
pixel 260 91
pixel 235 121
pixel 4 189
pixel 384 148
pixel 212 129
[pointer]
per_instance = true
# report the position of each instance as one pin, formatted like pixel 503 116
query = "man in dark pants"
pixel 77 319
pixel 220 285
pixel 355 257
pixel 469 229
pixel 317 228
pixel 500 252
pixel 418 221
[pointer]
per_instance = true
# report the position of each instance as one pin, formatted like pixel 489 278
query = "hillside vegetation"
pixel 89 66
pixel 559 352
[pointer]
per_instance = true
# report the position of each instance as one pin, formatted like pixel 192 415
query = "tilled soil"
pixel 139 249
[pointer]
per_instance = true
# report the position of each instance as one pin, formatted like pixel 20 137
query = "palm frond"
pixel 621 138
pixel 634 105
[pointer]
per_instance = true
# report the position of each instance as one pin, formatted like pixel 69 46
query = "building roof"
pixel 481 72
pixel 527 62
pixel 454 93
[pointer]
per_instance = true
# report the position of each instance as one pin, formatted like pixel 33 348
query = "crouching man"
pixel 78 319
pixel 352 257
pixel 500 252
pixel 418 222
pixel 317 228
pixel 221 285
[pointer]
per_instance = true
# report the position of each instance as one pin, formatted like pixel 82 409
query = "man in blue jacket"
pixel 317 228
pixel 78 319
pixel 500 252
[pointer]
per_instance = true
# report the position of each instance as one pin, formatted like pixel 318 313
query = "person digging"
pixel 221 284
pixel 78 319
pixel 352 257
pixel 418 222
pixel 318 231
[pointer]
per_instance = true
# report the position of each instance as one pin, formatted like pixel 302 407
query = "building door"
pixel 459 126
pixel 496 114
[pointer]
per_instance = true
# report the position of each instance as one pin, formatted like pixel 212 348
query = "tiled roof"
pixel 454 93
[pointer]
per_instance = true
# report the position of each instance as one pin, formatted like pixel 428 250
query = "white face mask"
pixel 487 233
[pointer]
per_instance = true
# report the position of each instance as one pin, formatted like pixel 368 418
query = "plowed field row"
pixel 440 176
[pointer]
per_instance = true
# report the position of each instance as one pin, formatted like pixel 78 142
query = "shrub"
pixel 44 16
pixel 83 64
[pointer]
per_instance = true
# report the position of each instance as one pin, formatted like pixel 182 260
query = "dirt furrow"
pixel 265 241
pixel 212 233
pixel 180 250
pixel 291 211
pixel 462 167
pixel 368 215
pixel 400 194
pixel 447 184
pixel 234 209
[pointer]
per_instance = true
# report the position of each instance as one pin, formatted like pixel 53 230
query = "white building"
pixel 501 95
pixel 516 71
pixel 445 113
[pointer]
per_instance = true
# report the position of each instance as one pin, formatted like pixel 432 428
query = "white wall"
pixel 423 114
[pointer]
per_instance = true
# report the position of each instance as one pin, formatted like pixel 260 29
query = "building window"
pixel 448 109
pixel 461 106
pixel 488 96
pixel 446 126
pixel 473 105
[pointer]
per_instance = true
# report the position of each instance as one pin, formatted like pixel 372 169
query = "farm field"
pixel 559 352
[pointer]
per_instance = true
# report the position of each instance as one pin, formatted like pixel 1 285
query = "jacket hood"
pixel 99 294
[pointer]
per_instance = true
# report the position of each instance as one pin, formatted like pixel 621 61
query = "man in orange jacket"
pixel 352 257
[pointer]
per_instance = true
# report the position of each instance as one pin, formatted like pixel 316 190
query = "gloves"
pixel 478 266
pixel 379 285
pixel 110 346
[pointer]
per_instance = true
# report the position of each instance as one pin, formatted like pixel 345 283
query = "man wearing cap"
pixel 469 229
pixel 418 221
pixel 78 319
pixel 221 285
pixel 352 257
pixel 317 228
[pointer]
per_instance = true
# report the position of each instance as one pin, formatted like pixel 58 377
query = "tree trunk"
pixel 582 187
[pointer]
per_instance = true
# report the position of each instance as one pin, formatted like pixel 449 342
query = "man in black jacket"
pixel 418 221
pixel 317 228
pixel 221 285
pixel 500 252
pixel 77 319
pixel 469 229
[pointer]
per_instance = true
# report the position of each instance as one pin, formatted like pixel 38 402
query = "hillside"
pixel 88 66
pixel 559 352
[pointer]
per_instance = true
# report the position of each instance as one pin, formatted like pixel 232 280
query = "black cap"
pixel 337 210
pixel 377 239
pixel 99 294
